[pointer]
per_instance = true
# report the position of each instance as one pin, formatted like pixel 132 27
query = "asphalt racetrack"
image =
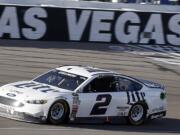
pixel 23 60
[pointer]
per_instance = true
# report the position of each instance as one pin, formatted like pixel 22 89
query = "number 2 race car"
pixel 71 92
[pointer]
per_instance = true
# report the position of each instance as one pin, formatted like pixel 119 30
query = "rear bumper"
pixel 157 115
pixel 21 116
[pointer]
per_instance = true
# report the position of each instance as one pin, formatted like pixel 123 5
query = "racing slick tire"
pixel 137 114
pixel 58 113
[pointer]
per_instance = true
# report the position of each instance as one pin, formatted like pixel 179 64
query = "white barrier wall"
pixel 94 5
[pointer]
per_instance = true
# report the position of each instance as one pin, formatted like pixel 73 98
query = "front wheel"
pixel 137 114
pixel 58 113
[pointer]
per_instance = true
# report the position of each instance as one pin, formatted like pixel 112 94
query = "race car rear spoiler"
pixel 151 84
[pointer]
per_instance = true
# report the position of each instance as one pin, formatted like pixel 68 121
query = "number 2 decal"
pixel 100 108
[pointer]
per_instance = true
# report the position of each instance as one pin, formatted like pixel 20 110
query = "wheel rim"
pixel 137 113
pixel 57 111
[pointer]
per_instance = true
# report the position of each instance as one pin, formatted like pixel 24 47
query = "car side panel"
pixel 102 104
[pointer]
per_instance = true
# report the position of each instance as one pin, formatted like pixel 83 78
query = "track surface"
pixel 22 63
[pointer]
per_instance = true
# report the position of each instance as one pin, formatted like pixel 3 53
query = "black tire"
pixel 132 119
pixel 58 117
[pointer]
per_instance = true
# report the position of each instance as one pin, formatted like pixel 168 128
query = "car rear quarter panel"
pixel 154 101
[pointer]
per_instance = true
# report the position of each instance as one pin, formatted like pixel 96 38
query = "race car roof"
pixel 85 71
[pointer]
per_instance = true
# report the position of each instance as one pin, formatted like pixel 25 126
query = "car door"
pixel 101 97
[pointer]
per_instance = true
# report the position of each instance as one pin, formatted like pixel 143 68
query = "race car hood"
pixel 31 90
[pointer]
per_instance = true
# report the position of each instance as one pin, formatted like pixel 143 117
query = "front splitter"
pixel 21 116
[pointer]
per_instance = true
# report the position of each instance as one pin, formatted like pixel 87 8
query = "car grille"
pixel 10 102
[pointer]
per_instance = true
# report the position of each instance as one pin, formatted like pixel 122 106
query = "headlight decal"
pixel 36 101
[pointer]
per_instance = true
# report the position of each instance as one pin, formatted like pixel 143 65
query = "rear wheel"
pixel 58 113
pixel 137 114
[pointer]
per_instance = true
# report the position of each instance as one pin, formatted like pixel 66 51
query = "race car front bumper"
pixel 21 116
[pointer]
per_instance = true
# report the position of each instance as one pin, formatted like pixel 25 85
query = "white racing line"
pixel 166 54
pixel 171 53
pixel 168 61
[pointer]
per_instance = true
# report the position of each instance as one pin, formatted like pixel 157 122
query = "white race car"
pixel 71 92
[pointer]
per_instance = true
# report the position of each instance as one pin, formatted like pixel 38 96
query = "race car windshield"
pixel 61 79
